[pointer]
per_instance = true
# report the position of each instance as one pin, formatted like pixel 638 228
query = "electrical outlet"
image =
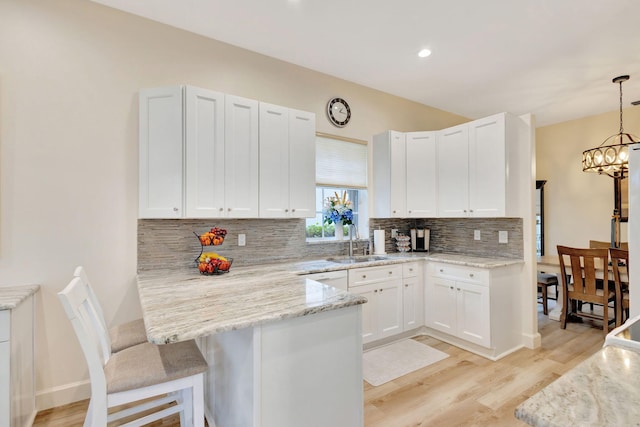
pixel 242 239
pixel 476 234
pixel 394 233
pixel 503 237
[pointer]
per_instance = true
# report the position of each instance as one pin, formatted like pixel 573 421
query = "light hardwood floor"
pixel 462 390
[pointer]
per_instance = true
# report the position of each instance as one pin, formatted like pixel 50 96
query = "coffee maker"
pixel 420 239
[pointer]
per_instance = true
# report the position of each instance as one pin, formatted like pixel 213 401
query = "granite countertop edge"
pixel 13 296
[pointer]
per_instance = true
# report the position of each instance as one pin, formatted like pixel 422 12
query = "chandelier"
pixel 612 156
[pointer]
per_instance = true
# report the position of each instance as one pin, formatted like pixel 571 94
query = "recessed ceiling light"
pixel 424 53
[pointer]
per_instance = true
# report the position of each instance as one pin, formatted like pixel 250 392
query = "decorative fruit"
pixel 202 267
pixel 213 237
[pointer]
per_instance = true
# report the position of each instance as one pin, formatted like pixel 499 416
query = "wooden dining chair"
pixel 167 373
pixel 545 280
pixel 120 336
pixel 582 288
pixel 598 244
pixel 620 260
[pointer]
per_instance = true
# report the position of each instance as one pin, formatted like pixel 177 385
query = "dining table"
pixel 551 264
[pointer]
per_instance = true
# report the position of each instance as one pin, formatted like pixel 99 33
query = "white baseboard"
pixel 532 340
pixel 62 395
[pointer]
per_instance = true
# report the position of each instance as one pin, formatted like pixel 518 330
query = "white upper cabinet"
pixel 287 162
pixel 487 167
pixel 389 174
pixel 204 152
pixel 302 164
pixel 421 176
pixel 241 157
pixel 453 172
pixel 404 174
pixel 198 154
pixel 161 147
pixel 473 159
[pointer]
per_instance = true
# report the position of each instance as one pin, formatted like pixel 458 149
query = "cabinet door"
pixel 487 167
pixel 453 173
pixel 473 319
pixel 369 312
pixel 440 305
pixel 412 297
pixel 241 157
pixel 160 147
pixel 398 164
pixel 274 161
pixel 390 320
pixel 204 153
pixel 421 174
pixel 302 164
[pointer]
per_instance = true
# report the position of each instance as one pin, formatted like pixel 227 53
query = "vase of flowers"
pixel 337 210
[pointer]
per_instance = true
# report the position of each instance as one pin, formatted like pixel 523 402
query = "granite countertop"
pixel 601 391
pixel 12 296
pixel 179 306
pixel 183 306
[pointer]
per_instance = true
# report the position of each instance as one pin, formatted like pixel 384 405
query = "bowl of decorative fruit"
pixel 213 237
pixel 210 263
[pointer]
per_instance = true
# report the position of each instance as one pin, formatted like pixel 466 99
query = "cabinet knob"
pixel 441 270
pixel 406 285
pixel 375 291
pixel 411 270
pixel 364 276
pixel 409 211
pixel 458 288
pixel 175 209
pixel 391 272
pixel 465 211
pixel 286 210
pixel 470 274
pixel 451 287
pixel 221 209
pixel 293 210
pixel 471 210
pixel 380 290
pixel 229 209
pixel 395 211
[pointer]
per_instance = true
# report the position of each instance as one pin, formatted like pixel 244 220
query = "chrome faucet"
pixel 352 227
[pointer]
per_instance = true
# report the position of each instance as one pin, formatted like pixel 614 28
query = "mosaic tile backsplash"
pixel 170 243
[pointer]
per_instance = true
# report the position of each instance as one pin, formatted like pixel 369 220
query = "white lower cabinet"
pixel 412 295
pixel 17 380
pixel 395 298
pixel 382 287
pixel 474 305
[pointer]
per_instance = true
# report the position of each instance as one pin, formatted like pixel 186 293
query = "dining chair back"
pixel 118 337
pixel 620 261
pixel 582 264
pixel 598 244
pixel 169 373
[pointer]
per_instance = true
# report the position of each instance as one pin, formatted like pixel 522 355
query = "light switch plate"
pixel 503 237
pixel 242 239
pixel 394 233
pixel 476 234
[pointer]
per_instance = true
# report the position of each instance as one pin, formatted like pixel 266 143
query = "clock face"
pixel 338 112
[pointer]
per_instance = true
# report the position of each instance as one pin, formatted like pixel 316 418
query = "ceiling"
pixel 555 59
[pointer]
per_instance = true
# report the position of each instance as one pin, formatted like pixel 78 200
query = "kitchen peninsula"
pixel 282 350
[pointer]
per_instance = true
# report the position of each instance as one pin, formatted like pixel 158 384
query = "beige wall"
pixel 70 71
pixel 578 205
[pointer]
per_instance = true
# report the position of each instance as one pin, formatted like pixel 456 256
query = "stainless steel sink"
pixel 356 259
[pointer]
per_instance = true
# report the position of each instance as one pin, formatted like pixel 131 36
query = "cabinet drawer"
pixel 364 276
pixel 5 325
pixel 457 272
pixel 410 269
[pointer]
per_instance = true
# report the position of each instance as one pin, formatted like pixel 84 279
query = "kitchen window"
pixel 341 165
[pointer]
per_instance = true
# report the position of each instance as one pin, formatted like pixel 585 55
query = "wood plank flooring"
pixel 462 390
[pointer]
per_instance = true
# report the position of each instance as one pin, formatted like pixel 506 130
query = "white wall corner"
pixel 532 340
pixel 62 395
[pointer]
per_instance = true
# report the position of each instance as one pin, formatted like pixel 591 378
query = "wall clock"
pixel 338 112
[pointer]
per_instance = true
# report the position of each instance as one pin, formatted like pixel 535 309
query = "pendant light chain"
pixel 621 130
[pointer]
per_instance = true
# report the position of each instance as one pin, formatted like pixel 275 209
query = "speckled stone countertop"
pixel 179 306
pixel 601 391
pixel 12 296
pixel 182 306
